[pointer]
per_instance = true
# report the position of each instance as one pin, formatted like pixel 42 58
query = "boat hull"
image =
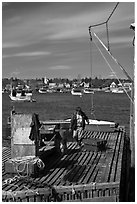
pixel 76 93
pixel 42 92
pixel 20 98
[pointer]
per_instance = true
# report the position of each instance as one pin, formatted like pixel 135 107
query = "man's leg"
pixel 75 135
pixel 63 134
pixel 80 133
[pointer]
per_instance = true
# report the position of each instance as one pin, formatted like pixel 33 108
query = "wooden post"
pixel 132 115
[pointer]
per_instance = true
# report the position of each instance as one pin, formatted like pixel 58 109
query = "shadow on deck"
pixel 85 174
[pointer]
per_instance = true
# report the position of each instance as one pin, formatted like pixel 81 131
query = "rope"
pixel 112 12
pixel 25 161
pixel 48 143
pixel 92 99
pixel 106 22
pixel 107 36
pixel 92 103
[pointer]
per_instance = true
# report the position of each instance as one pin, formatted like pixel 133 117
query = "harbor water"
pixel 106 106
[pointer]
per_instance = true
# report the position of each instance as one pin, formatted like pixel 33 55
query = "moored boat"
pixel 76 92
pixel 43 90
pixel 20 97
pixel 117 90
pixel 88 91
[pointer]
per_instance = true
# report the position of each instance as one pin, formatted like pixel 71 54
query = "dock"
pixel 82 174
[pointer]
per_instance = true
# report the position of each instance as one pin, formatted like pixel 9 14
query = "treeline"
pixel 95 83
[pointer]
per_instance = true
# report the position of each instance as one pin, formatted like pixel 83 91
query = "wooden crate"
pixel 21 166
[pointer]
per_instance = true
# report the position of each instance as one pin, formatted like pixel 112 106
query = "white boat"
pixel 43 90
pixel 51 91
pixel 117 90
pixel 88 91
pixel 27 93
pixel 20 97
pixel 107 91
pixel 76 92
pixel 99 125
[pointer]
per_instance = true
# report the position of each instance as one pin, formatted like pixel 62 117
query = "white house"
pixel 113 85
pixel 52 85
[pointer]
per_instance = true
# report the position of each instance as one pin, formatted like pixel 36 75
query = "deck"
pixel 83 174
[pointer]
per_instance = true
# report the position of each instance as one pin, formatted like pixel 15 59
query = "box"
pixel 27 165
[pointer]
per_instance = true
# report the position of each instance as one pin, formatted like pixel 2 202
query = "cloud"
pixel 10 45
pixel 60 67
pixel 27 54
pixel 25 30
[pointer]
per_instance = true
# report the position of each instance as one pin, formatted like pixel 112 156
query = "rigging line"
pixel 122 68
pixel 106 22
pixel 112 12
pixel 96 124
pixel 92 99
pixel 114 73
pixel 95 25
pixel 107 25
pixel 92 103
pixel 107 36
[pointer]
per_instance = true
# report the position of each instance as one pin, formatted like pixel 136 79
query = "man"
pixel 77 125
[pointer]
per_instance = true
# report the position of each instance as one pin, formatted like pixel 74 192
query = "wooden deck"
pixel 84 174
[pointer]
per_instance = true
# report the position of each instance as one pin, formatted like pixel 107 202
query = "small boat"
pixel 99 125
pixel 88 91
pixel 51 91
pixel 43 90
pixel 117 90
pixel 76 92
pixel 27 92
pixel 107 91
pixel 20 97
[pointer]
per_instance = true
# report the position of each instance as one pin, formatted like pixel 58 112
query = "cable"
pixel 112 12
pixel 106 22
pixel 92 103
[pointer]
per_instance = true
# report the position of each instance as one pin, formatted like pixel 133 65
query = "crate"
pixel 22 165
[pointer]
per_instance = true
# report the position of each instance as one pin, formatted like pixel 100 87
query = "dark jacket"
pixel 73 123
pixel 35 125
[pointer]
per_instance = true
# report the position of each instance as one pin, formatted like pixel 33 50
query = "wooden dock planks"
pixel 81 166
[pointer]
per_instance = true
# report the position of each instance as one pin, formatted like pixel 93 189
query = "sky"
pixel 52 39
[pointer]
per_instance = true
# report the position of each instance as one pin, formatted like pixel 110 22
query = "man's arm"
pixel 85 117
